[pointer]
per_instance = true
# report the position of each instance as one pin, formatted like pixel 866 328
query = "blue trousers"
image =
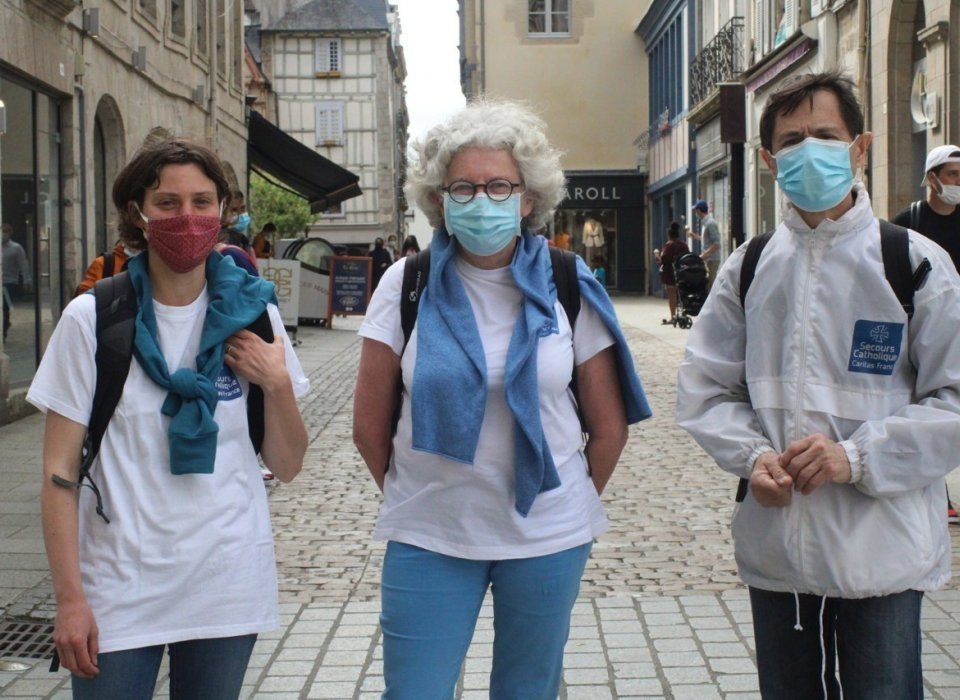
pixel 430 603
pixel 876 642
pixel 201 669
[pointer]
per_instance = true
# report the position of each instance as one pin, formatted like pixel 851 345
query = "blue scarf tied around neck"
pixel 449 391
pixel 236 299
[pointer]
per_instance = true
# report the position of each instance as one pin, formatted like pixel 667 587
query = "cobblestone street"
pixel 661 612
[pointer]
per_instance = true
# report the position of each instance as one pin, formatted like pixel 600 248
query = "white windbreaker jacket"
pixel 825 347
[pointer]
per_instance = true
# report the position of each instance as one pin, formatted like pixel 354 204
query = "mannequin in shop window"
pixel 593 238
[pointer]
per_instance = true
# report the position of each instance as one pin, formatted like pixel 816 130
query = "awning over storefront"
pixel 278 156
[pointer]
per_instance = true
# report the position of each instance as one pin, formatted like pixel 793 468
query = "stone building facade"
pixel 81 88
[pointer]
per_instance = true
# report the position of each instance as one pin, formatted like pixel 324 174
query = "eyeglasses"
pixel 498 190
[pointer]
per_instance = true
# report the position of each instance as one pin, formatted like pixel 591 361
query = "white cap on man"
pixel 941 155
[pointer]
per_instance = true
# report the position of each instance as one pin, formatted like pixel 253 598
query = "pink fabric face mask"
pixel 182 242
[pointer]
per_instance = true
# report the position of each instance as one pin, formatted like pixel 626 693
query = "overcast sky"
pixel 430 35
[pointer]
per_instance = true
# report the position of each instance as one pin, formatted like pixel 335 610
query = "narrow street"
pixel 661 612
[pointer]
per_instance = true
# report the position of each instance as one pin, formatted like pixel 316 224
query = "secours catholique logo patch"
pixel 228 388
pixel 876 347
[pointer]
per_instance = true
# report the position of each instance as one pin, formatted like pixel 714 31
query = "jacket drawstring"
pixel 823 649
pixel 796 599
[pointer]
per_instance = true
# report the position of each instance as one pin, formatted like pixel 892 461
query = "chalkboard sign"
pixel 349 286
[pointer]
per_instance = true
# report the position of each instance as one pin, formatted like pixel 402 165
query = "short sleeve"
pixel 301 385
pixel 590 334
pixel 65 380
pixel 382 320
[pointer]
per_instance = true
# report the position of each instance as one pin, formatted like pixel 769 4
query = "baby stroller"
pixel 691 275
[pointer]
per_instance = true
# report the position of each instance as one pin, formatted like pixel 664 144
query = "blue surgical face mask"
pixel 815 174
pixel 242 223
pixel 482 226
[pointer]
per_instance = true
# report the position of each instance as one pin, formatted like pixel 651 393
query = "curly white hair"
pixel 487 123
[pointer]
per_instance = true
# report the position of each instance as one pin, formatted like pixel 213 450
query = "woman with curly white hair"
pixel 486 479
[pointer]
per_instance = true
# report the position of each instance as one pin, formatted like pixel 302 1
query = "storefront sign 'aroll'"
pixel 592 194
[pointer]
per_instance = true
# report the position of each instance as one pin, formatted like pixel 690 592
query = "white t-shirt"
pixel 467 510
pixel 183 557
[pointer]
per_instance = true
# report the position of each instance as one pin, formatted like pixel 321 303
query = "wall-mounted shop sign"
pixel 603 191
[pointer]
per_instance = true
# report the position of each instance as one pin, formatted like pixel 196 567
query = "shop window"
pixel 178 18
pixel 329 123
pixel 548 17
pixel 326 58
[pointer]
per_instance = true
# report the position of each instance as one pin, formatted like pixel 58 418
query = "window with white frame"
pixel 329 123
pixel 326 57
pixel 548 17
pixel 774 21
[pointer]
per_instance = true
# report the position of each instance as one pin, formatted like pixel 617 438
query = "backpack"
pixel 915 215
pixel 895 249
pixel 116 312
pixel 416 270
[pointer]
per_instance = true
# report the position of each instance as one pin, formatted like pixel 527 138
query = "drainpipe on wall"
pixel 82 127
pixel 863 27
pixel 483 48
pixel 212 76
pixel 4 359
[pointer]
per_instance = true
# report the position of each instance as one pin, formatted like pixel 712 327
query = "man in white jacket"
pixel 843 413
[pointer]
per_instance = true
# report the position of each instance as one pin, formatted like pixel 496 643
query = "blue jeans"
pixel 430 603
pixel 875 640
pixel 201 669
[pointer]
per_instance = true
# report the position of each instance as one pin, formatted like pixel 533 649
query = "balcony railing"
pixel 719 61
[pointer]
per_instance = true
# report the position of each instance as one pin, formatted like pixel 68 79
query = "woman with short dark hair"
pixel 182 557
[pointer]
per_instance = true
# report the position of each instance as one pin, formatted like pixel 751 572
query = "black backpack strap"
pixel 109 261
pixel 255 426
pixel 564 264
pixel 116 304
pixel 895 246
pixel 915 215
pixel 747 271
pixel 416 270
pixel 750 259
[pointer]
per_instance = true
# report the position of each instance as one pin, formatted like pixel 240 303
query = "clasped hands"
pixel 804 466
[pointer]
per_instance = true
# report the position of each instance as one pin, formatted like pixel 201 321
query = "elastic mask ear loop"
pixel 855 167
pixel 142 215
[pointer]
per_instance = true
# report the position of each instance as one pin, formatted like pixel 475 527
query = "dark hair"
pixel 410 243
pixel 269 227
pixel 673 231
pixel 143 173
pixel 792 94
